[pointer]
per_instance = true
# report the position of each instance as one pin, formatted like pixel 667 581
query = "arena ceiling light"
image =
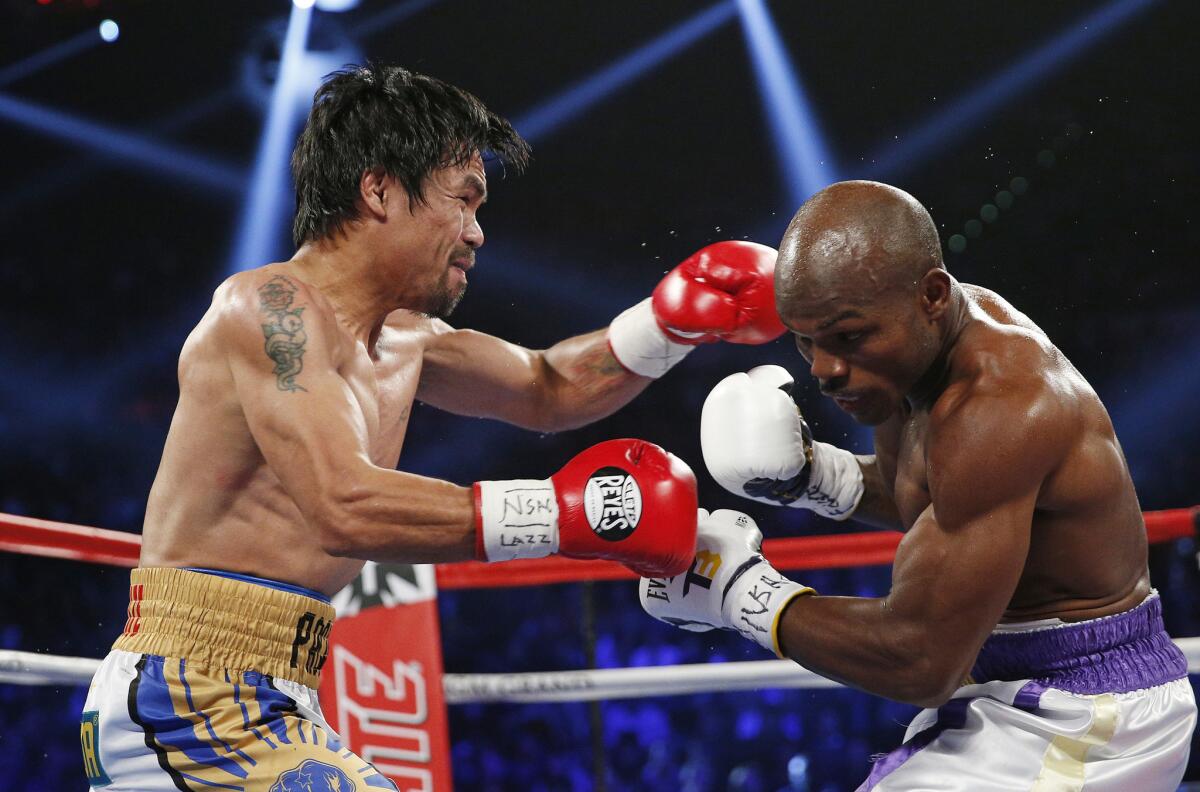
pixel 129 147
pixel 64 172
pixel 110 31
pixel 260 235
pixel 336 6
pixel 50 56
pixel 135 149
pixel 799 145
pixel 572 102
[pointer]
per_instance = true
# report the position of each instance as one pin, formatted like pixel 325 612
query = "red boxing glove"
pixel 724 292
pixel 624 500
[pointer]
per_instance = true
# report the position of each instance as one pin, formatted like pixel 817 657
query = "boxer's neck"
pixel 927 389
pixel 346 274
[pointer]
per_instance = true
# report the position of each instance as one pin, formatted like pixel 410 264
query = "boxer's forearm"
pixel 857 641
pixel 877 506
pixel 391 516
pixel 585 382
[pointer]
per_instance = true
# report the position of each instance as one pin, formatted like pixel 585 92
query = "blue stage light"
pixel 262 234
pixel 66 171
pixel 799 144
pixel 569 104
pixel 48 57
pixel 139 150
pixel 110 31
pixel 969 110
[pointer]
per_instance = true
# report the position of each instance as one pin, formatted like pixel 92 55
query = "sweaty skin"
pixel 992 453
pixel 295 390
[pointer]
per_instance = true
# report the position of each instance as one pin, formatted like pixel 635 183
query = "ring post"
pixel 382 687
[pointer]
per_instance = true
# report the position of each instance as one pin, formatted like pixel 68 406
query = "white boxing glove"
pixel 757 445
pixel 729 585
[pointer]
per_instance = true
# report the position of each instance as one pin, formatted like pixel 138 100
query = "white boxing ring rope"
pixel 31 668
pixel 97 545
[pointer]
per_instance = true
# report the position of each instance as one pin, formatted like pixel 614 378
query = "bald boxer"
pixel 1023 566
pixel 278 477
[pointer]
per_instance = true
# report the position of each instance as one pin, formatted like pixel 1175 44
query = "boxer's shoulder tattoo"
pixel 284 331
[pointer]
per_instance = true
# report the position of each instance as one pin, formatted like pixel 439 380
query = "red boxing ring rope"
pixel 32 536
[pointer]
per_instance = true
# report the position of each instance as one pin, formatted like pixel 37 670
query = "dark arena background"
pixel 145 160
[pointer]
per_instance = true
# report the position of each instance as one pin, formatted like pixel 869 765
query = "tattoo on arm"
pixel 284 331
pixel 602 362
pixel 597 369
pixel 596 373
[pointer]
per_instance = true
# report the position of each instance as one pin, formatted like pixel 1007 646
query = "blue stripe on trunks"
pixel 157 712
pixel 187 690
pixel 273 703
pixel 213 784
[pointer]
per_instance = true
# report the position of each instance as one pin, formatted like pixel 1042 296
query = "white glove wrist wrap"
pixel 755 601
pixel 640 345
pixel 518 519
pixel 835 484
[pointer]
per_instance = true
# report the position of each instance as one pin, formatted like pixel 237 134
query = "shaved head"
pixel 861 284
pixel 860 238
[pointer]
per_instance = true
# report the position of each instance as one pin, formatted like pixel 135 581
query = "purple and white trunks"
pixel 1101 705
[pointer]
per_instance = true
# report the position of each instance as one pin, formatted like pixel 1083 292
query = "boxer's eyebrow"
pixel 828 323
pixel 473 182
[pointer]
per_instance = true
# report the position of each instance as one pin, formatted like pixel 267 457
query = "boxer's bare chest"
pixel 384 385
pixel 900 455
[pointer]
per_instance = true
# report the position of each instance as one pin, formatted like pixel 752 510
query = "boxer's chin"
pixel 446 300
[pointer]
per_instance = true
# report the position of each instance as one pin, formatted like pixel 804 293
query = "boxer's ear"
pixel 376 192
pixel 935 288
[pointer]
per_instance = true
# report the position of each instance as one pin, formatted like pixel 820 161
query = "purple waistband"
pixel 1113 654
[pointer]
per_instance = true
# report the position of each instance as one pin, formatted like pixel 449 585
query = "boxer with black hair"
pixel 278 479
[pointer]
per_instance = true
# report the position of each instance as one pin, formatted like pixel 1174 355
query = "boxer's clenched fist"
pixel 623 500
pixel 724 292
pixel 757 445
pixel 729 585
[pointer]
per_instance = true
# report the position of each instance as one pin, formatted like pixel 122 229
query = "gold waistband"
pixel 224 623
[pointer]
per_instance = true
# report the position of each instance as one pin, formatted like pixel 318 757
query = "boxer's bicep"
pixel 472 373
pixel 958 566
pixel 301 412
pixel 952 583
pixel 573 383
